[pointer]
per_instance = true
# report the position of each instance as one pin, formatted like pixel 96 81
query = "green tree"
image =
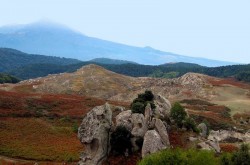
pixel 190 124
pixel 178 114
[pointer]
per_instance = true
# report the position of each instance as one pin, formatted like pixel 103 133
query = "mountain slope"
pixel 57 40
pixel 95 81
pixel 12 59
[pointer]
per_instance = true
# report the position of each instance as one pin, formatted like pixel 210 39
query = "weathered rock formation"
pixel 229 136
pixel 203 128
pixel 163 106
pixel 94 134
pixel 124 119
pixel 152 143
pixel 97 126
pixel 162 131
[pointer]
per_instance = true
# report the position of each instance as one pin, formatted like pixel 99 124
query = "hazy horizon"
pixel 211 29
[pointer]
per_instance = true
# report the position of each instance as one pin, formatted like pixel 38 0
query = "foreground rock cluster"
pixel 97 126
pixel 99 123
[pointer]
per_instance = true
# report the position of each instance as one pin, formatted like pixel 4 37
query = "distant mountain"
pixel 11 59
pixel 57 40
pixel 111 61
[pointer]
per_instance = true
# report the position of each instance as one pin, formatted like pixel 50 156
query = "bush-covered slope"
pixel 5 78
pixel 11 59
pixel 136 70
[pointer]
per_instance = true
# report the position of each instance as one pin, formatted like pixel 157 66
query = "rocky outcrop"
pixel 94 134
pixel 203 128
pixel 148 132
pixel 139 125
pixel 152 143
pixel 163 106
pixel 162 131
pixel 124 119
pixel 229 136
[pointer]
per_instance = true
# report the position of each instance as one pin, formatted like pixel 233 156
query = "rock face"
pixel 124 119
pixel 94 134
pixel 163 106
pixel 229 136
pixel 97 126
pixel 152 143
pixel 139 125
pixel 162 131
pixel 203 128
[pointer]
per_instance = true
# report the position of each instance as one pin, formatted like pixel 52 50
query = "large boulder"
pixel 163 107
pixel 162 131
pixel 152 143
pixel 203 129
pixel 124 119
pixel 94 135
pixel 139 125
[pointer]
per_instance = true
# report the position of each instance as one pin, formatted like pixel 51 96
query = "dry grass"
pixel 38 139
pixel 42 127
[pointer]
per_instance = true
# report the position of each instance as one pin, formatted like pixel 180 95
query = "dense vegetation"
pixel 179 115
pixel 26 66
pixel 197 157
pixel 139 104
pixel 243 76
pixel 13 59
pixel 5 78
pixel 135 70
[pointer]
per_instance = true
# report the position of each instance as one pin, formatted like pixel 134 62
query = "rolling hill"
pixel 96 81
pixel 57 40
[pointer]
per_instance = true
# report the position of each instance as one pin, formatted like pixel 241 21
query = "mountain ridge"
pixel 40 38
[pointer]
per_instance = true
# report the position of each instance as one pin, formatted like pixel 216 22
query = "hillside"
pixel 55 104
pixel 57 40
pixel 93 80
pixel 170 70
pixel 5 78
pixel 13 59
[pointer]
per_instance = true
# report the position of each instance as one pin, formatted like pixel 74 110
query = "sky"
pixel 215 29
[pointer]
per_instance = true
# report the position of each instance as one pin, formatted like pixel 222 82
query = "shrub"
pixel 178 114
pixel 241 157
pixel 148 96
pixel 190 124
pixel 120 140
pixel 138 105
pixel 180 157
pixel 226 159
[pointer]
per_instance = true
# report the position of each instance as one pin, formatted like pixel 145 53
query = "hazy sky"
pixel 216 29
